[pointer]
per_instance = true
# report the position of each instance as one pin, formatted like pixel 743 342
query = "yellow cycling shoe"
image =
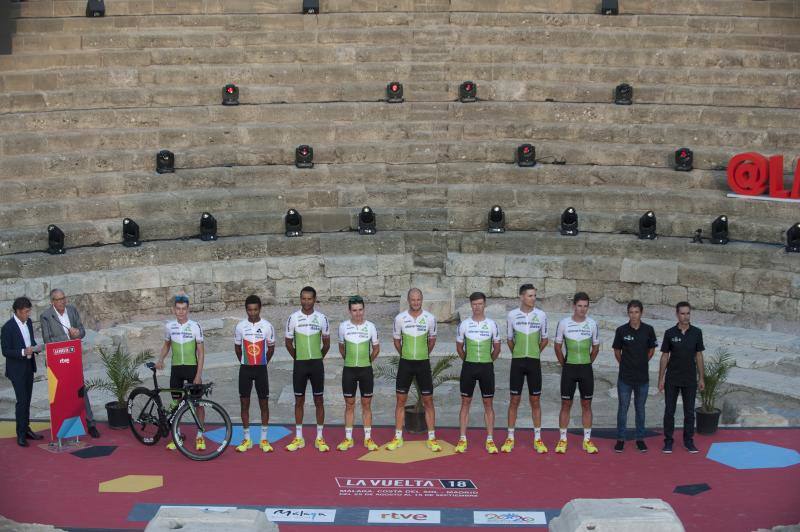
pixel 589 447
pixel 561 446
pixel 508 446
pixel 395 444
pixel 539 446
pixel 433 445
pixel 346 444
pixel 461 446
pixel 246 444
pixel 320 444
pixel 171 446
pixel 265 446
pixel 491 448
pixel 297 443
pixel 200 444
pixel 370 445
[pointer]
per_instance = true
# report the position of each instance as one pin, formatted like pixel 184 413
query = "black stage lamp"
pixel 623 94
pixel 569 222
pixel 165 162
pixel 130 233
pixel 526 155
pixel 293 223
pixel 394 92
pixel 647 226
pixel 310 7
pixel 793 239
pixel 609 7
pixel 684 159
pixel 719 230
pixel 497 220
pixel 467 92
pixel 366 222
pixel 208 227
pixel 55 240
pixel 304 156
pixel 95 8
pixel 230 94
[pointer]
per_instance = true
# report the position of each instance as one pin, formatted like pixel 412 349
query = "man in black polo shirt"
pixel 681 371
pixel 634 345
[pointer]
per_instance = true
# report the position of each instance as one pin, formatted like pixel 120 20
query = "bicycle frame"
pixel 165 417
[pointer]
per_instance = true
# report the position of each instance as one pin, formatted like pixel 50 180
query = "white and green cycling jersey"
pixel 478 338
pixel 183 338
pixel 414 334
pixel 307 332
pixel 358 341
pixel 578 339
pixel 527 330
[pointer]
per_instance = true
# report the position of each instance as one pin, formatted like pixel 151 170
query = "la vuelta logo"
pixel 752 174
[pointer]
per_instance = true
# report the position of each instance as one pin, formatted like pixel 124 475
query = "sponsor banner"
pixel 220 509
pixel 502 518
pixel 300 515
pixel 65 389
pixel 394 516
pixel 406 487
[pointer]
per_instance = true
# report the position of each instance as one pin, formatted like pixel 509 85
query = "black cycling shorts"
pixel 253 374
pixel 522 368
pixel 179 375
pixel 308 370
pixel 480 372
pixel 407 370
pixel 580 375
pixel 360 378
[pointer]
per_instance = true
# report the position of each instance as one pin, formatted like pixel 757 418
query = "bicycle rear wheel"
pixel 144 419
pixel 186 429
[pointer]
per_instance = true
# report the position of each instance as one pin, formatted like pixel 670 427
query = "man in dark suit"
pixel 19 348
pixel 62 322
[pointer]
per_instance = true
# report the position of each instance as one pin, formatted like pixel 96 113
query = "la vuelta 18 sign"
pixel 752 174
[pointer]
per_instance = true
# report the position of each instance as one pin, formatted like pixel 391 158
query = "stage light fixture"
pixel 526 155
pixel 304 156
pixel 55 240
pixel 467 92
pixel 95 8
pixel 293 223
pixel 623 94
pixel 366 222
pixel 497 220
pixel 394 92
pixel 647 226
pixel 684 159
pixel 569 222
pixel 609 7
pixel 719 230
pixel 310 7
pixel 165 162
pixel 793 239
pixel 130 233
pixel 208 227
pixel 230 94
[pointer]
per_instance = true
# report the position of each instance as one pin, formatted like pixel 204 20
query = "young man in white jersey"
pixel 577 344
pixel 478 345
pixel 254 345
pixel 527 338
pixel 414 336
pixel 359 347
pixel 308 340
pixel 184 338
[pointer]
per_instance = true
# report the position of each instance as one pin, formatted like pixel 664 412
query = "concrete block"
pixel 440 302
pixel 725 301
pixel 344 286
pixel 755 303
pixel 199 519
pixel 651 271
pixel 238 270
pixel 673 294
pixel 534 266
pixel 396 285
pixel 701 298
pixel 370 287
pixel 559 287
pixel 132 279
pixel 395 264
pixel 350 266
pixel 706 276
pixel 294 267
pixel 184 274
pixel 773 283
pixel 618 515
pixel 463 265
pixel 597 268
pixel 649 294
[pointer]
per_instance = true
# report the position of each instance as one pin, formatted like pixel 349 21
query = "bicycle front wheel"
pixel 216 429
pixel 143 413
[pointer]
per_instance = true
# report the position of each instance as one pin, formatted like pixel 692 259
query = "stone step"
pixel 766 382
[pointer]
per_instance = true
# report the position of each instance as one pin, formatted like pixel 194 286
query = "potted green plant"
pixel 415 413
pixel 122 376
pixel 717 367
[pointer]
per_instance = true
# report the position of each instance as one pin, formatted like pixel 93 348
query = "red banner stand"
pixel 65 383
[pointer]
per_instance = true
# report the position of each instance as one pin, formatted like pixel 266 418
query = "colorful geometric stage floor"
pixel 743 479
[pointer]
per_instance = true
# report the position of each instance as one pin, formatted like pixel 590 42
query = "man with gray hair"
pixel 61 322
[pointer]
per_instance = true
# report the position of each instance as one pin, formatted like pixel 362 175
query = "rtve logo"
pixel 404 516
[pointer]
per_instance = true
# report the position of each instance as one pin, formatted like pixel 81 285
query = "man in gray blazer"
pixel 59 323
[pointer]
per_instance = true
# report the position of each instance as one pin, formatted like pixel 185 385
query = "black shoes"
pixel 691 448
pixel 29 434
pixel 641 446
pixel 619 446
pixel 667 449
pixel 93 432
pixel 21 441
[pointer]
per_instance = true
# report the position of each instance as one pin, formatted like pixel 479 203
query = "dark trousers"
pixel 624 392
pixel 23 389
pixel 688 394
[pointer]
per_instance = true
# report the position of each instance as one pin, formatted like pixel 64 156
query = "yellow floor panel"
pixel 411 451
pixel 131 484
pixel 8 429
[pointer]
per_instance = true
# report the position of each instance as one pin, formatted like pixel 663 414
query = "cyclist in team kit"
pixel 527 338
pixel 184 338
pixel 359 347
pixel 308 340
pixel 577 344
pixel 414 336
pixel 478 345
pixel 254 345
